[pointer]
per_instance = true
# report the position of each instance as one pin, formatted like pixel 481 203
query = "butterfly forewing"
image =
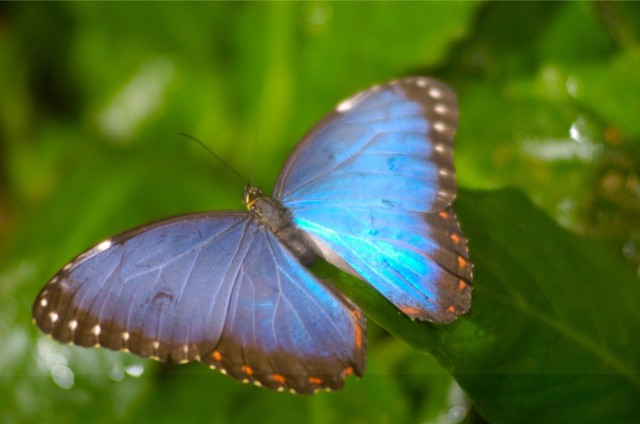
pixel 393 141
pixel 212 287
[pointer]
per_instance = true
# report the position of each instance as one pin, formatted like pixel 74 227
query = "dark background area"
pixel 93 96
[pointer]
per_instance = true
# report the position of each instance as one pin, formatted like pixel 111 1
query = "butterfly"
pixel 368 189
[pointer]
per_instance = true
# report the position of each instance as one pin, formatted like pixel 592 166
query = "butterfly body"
pixel 368 189
pixel 275 218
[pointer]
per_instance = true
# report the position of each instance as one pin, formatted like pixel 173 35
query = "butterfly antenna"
pixel 229 167
pixel 253 148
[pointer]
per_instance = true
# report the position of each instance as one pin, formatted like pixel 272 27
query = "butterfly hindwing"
pixel 215 287
pixel 372 184
pixel 313 335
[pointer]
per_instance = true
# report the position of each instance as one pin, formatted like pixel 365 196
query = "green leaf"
pixel 552 331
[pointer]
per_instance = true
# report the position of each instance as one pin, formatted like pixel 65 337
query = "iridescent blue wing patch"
pixel 371 185
pixel 217 288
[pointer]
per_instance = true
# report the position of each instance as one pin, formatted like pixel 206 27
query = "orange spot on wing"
pixel 315 380
pixel 455 238
pixel 347 371
pixel 409 310
pixel 462 262
pixel 451 309
pixel 357 329
pixel 217 356
pixel 278 378
pixel 444 215
pixel 462 285
pixel 247 370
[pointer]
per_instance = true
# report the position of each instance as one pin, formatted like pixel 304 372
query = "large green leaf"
pixel 552 335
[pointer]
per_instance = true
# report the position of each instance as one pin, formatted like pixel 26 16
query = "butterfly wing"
pixel 372 184
pixel 213 287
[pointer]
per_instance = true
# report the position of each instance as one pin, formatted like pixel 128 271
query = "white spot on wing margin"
pixel 104 245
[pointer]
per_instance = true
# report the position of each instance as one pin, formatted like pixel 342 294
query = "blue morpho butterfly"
pixel 368 189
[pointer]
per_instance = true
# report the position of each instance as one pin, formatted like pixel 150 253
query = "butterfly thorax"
pixel 276 218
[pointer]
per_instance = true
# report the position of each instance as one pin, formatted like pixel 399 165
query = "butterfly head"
pixel 250 195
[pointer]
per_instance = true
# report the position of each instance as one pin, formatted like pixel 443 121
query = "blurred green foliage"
pixel 92 96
